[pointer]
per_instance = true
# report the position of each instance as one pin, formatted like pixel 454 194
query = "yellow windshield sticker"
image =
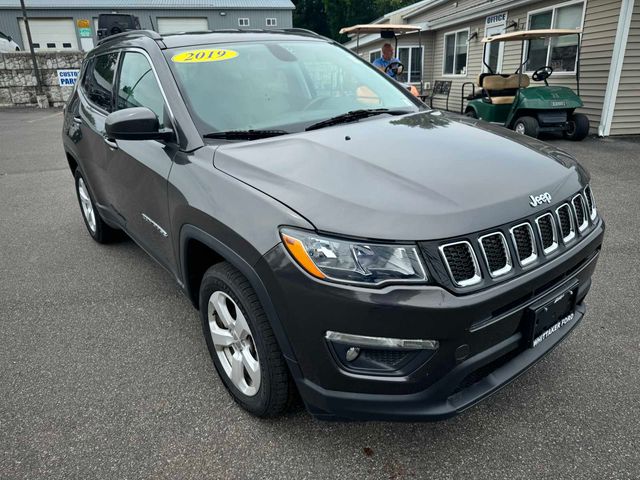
pixel 208 55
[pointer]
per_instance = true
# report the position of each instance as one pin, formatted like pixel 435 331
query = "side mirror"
pixel 137 123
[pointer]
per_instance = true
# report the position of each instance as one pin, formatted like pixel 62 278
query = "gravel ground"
pixel 104 372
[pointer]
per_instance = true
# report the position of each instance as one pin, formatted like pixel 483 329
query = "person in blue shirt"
pixel 386 59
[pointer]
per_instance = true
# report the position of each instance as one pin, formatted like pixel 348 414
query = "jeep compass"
pixel 340 240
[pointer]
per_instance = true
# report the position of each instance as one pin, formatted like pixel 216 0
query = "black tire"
pixel 275 391
pixel 471 113
pixel 528 126
pixel 100 232
pixel 578 127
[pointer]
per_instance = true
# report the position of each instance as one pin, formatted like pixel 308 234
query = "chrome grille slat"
pixel 544 223
pixel 496 255
pixel 580 211
pixel 564 216
pixel 461 262
pixel 591 204
pixel 525 242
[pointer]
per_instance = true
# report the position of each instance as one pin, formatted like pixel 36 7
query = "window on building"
pixel 560 52
pixel 374 55
pixel 272 22
pixel 98 81
pixel 138 87
pixel 456 49
pixel 411 58
pixel 243 22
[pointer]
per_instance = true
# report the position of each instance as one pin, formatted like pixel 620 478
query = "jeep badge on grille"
pixel 540 199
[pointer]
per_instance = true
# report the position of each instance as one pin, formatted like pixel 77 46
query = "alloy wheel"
pixel 233 342
pixel 87 206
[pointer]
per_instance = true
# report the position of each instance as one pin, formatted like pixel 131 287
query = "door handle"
pixel 112 143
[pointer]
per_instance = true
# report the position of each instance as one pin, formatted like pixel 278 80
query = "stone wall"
pixel 18 80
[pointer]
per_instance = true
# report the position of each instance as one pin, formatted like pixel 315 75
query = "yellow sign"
pixel 196 56
pixel 83 23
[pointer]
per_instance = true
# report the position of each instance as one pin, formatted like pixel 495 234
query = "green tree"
pixel 327 17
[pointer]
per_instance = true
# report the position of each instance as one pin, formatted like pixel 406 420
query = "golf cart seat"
pixel 501 89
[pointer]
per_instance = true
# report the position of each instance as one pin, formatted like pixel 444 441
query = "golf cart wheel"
pixel 527 126
pixel 471 113
pixel 242 344
pixel 578 127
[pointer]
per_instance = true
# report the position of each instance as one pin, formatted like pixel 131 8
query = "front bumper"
pixel 482 337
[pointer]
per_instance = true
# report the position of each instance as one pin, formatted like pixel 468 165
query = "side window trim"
pixel 89 63
pixel 116 83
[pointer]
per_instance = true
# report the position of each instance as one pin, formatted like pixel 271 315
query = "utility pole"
pixel 33 53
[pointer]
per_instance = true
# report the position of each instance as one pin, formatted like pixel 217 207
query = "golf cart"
pixel 388 32
pixel 507 99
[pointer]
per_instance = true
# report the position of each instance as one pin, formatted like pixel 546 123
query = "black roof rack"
pixel 299 31
pixel 131 33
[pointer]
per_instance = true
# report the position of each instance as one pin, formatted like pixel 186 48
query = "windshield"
pixel 277 85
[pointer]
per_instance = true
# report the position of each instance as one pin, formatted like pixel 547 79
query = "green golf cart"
pixel 508 99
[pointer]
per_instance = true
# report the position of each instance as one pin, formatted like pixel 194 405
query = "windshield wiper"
pixel 245 134
pixel 354 115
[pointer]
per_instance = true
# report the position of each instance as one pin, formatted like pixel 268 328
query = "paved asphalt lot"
pixel 104 372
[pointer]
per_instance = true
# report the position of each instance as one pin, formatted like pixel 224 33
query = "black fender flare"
pixel 191 232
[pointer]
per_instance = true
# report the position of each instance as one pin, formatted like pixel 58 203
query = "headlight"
pixel 353 262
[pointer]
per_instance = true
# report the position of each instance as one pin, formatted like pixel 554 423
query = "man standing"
pixel 386 59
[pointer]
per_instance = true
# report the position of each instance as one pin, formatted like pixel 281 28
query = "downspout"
pixel 617 61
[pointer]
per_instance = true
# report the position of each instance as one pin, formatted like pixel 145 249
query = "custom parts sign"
pixel 68 77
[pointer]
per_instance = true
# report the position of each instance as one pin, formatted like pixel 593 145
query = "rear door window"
pixel 138 87
pixel 98 83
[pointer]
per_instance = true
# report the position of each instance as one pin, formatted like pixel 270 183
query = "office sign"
pixel 497 19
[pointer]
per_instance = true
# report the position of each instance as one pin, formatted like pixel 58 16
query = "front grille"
pixel 591 204
pixel 496 254
pixel 565 219
pixel 461 262
pixel 547 232
pixel 529 241
pixel 581 214
pixel 525 243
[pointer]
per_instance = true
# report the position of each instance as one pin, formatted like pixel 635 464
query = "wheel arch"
pixel 193 237
pixel 73 163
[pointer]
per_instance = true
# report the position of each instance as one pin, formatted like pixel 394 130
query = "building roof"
pixel 149 4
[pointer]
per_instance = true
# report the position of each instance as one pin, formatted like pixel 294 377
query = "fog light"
pixel 352 354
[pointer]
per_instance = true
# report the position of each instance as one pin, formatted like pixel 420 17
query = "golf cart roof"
pixel 531 35
pixel 381 27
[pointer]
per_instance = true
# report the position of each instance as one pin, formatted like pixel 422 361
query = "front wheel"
pixel 471 113
pixel 241 343
pixel 578 127
pixel 527 126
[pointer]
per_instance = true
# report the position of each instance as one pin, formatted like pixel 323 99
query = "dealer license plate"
pixel 549 318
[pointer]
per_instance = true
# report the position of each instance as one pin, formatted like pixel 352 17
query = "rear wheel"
pixel 241 343
pixel 578 127
pixel 98 229
pixel 527 126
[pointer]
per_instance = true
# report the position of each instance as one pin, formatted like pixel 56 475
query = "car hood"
pixel 416 177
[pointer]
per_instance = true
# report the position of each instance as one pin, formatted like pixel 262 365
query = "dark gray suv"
pixel 339 239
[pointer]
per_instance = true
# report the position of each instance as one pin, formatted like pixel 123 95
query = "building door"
pixel 182 24
pixel 493 53
pixel 50 34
